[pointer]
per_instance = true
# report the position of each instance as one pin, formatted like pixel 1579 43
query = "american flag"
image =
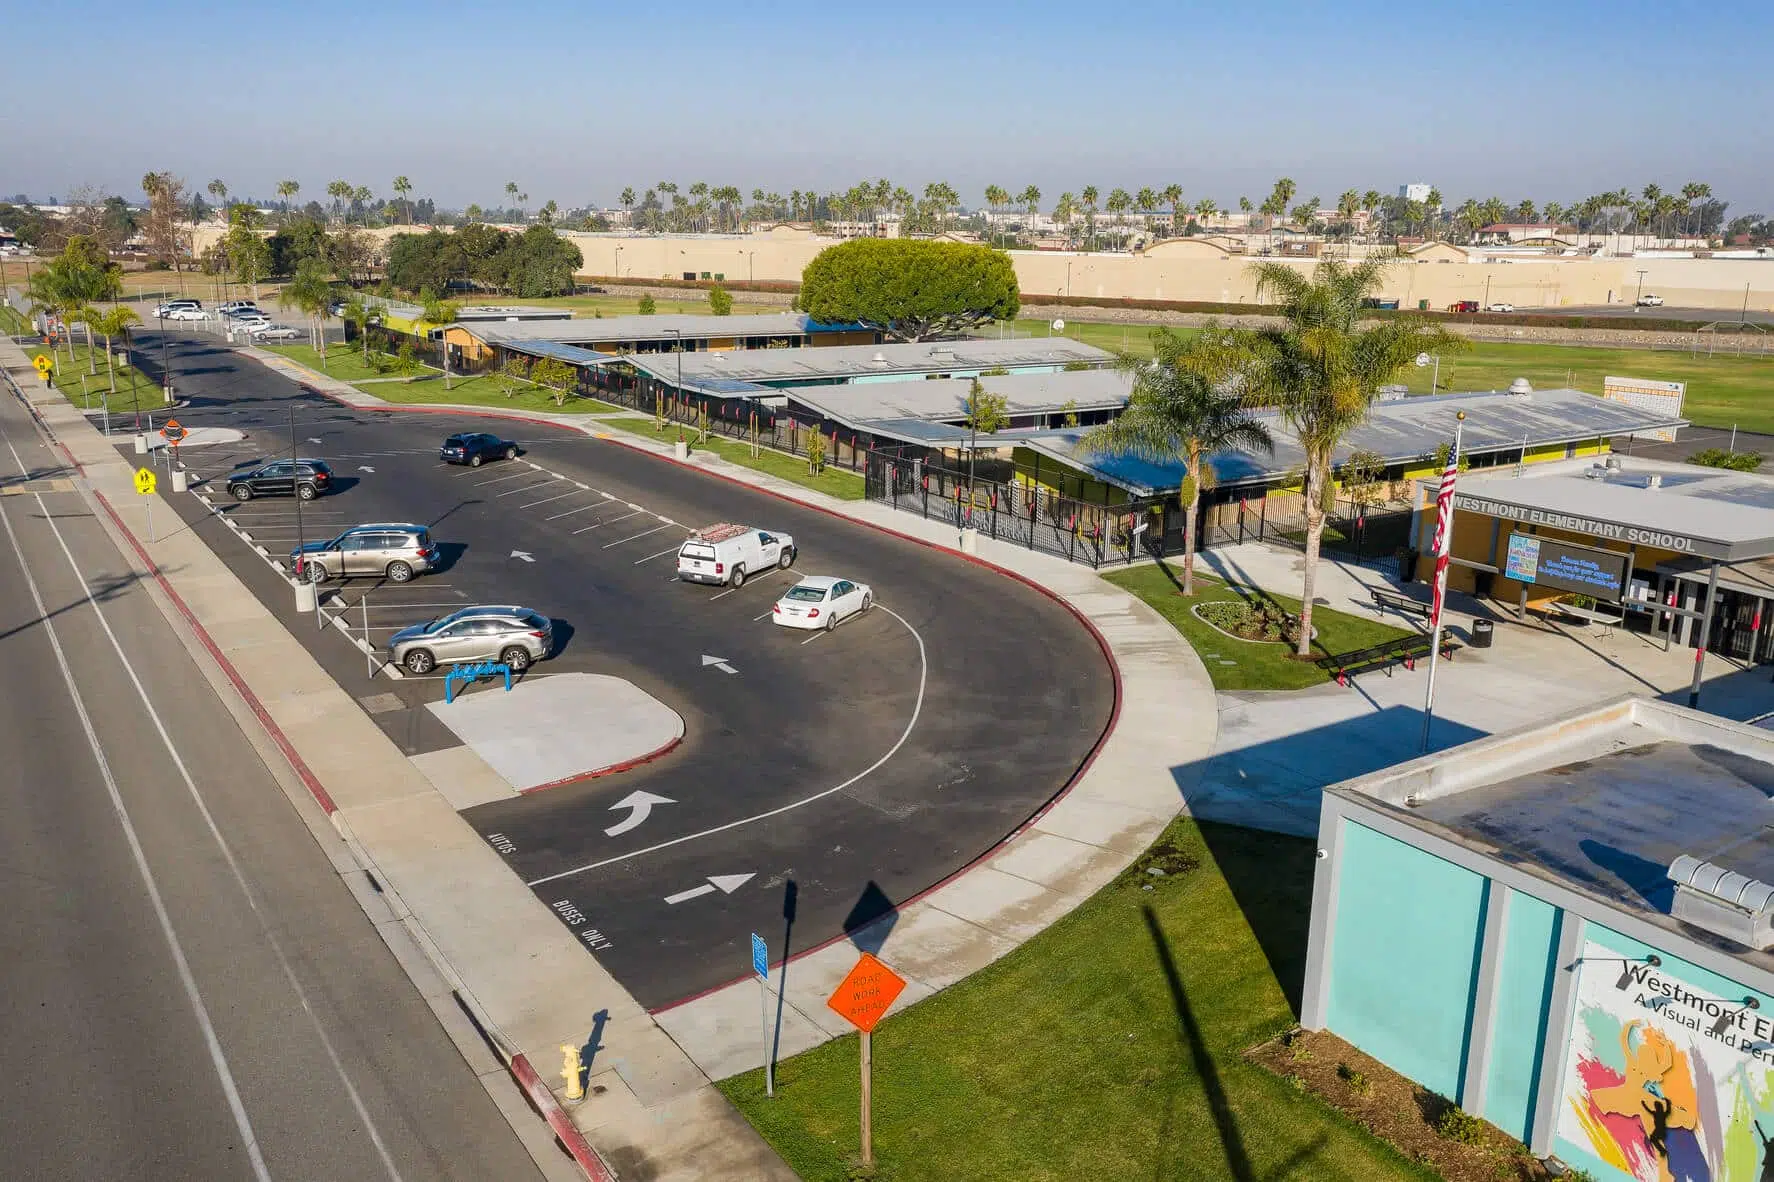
pixel 1444 513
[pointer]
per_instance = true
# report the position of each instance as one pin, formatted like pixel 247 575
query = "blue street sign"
pixel 760 957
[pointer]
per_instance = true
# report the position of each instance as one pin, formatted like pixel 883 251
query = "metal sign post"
pixel 145 485
pixel 760 964
pixel 862 999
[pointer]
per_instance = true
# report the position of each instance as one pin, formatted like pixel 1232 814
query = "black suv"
pixel 281 478
pixel 475 448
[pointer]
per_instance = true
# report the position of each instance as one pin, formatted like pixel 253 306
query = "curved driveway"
pixel 983 695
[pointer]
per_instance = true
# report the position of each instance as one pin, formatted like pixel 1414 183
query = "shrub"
pixel 1357 1081
pixel 1261 620
pixel 1456 1124
pixel 648 306
pixel 720 301
pixel 1736 461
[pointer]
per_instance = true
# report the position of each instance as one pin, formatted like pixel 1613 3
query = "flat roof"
pixel 858 403
pixel 583 330
pixel 475 312
pixel 1704 512
pixel 836 363
pixel 1600 802
pixel 1399 432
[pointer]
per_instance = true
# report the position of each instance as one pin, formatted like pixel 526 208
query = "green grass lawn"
pixel 13 322
pixel 342 361
pixel 1108 1047
pixel 83 389
pixel 482 391
pixel 694 303
pixel 1256 666
pixel 837 482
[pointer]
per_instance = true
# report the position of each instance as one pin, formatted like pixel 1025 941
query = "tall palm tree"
pixel 84 315
pixel 1172 195
pixel 1119 202
pixel 312 292
pixel 286 191
pixel 996 199
pixel 511 192
pixel 403 186
pixel 1088 197
pixel 440 313
pixel 361 197
pixel 219 191
pixel 1186 405
pixel 1322 371
pixel 1030 198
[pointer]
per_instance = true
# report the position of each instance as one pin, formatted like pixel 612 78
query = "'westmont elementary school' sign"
pixel 1613 531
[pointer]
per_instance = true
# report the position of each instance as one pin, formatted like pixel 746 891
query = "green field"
pixel 482 391
pixel 342 361
pixel 1243 664
pixel 1108 1047
pixel 1723 391
pixel 837 482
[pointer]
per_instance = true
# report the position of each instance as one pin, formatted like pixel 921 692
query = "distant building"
pixel 1415 191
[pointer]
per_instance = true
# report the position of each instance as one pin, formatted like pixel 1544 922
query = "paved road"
pixel 1631 311
pixel 849 771
pixel 190 990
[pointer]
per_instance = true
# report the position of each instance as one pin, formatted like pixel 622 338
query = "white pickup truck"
pixel 728 554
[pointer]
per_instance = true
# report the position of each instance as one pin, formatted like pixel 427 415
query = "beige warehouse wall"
pixel 1195 272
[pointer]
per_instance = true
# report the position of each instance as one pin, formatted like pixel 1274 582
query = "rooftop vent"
pixel 879 359
pixel 1654 480
pixel 1722 901
pixel 1613 464
pixel 1521 388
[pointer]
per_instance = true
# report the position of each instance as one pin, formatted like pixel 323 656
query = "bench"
pixel 1406 652
pixel 1404 605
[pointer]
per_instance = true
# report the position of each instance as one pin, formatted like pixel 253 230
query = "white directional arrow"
pixel 311 439
pixel 718 662
pixel 725 883
pixel 523 554
pixel 365 468
pixel 642 803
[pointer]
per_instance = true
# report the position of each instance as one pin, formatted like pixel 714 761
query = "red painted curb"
pixel 605 771
pixel 569 1135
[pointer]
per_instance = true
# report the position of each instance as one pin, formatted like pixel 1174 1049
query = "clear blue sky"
pixel 574 101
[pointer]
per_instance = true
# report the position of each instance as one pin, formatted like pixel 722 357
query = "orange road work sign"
pixel 865 993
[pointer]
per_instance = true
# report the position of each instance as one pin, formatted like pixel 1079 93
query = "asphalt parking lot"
pixel 823 778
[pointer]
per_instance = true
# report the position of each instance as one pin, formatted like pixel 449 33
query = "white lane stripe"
pixel 512 492
pixel 246 890
pixel 917 709
pixel 580 509
pixel 813 637
pixel 635 537
pixel 502 479
pixel 765 616
pixel 546 500
pixel 637 508
pixel 661 554
pixel 606 496
pixel 218 1058
pixel 606 521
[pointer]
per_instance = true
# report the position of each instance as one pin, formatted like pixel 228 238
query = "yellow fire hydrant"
pixel 570 1069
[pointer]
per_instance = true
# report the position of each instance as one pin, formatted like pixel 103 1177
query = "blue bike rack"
pixel 469 674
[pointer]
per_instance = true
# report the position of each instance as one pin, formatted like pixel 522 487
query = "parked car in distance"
pixel 394 550
pixel 306 479
pixel 279 332
pixel 161 310
pixel 1500 308
pixel 475 448
pixel 1463 306
pixel 516 636
pixel 1650 301
pixel 185 312
pixel 728 553
pixel 235 307
pixel 820 601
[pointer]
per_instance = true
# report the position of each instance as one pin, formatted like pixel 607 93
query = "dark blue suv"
pixel 475 448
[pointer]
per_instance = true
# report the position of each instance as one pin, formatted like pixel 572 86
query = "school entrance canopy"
pixel 1681 524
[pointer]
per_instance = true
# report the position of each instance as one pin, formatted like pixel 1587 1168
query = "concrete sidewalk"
pixel 652 1111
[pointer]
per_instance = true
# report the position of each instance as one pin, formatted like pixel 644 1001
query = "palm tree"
pixel 360 312
pixel 84 315
pixel 1172 195
pixel 362 197
pixel 474 212
pixel 1186 405
pixel 286 190
pixel 511 192
pixel 1064 210
pixel 1323 372
pixel 627 200
pixel 1145 201
pixel 1119 202
pixel 340 192
pixel 402 186
pixel 312 292
pixel 1031 201
pixel 1089 196
pixel 219 191
pixel 996 199
pixel 115 323
pixel 441 314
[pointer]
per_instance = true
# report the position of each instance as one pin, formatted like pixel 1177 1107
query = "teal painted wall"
pixel 1404 956
pixel 1524 988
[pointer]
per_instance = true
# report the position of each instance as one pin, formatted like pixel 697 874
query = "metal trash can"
pixel 1482 631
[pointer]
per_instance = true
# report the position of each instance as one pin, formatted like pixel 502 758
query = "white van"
pixel 727 553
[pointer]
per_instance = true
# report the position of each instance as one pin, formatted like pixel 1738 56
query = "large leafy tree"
pixel 908 289
pixel 1188 404
pixel 1322 368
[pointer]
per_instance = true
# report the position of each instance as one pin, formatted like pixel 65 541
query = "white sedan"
pixel 1501 308
pixel 186 314
pixel 820 601
pixel 278 332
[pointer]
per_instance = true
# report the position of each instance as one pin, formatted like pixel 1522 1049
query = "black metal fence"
pixel 1367 534
pixel 1023 515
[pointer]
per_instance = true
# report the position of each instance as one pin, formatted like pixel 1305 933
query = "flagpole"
pixel 1444 534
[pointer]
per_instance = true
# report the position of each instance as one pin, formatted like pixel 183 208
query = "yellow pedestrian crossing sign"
pixel 145 481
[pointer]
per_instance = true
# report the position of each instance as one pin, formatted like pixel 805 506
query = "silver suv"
pixel 395 551
pixel 517 636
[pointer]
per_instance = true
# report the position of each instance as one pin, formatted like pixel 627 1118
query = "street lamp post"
pixel 1641 289
pixel 679 350
pixel 165 365
pixel 618 262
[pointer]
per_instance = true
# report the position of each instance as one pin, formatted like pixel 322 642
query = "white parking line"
pixel 546 500
pixel 605 495
pixel 775 570
pixel 510 492
pixel 636 537
pixel 637 508
pixel 766 615
pixel 580 509
pixel 502 479
pixel 534 464
pixel 661 554
pixel 812 638
pixel 607 521
pixel 911 724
